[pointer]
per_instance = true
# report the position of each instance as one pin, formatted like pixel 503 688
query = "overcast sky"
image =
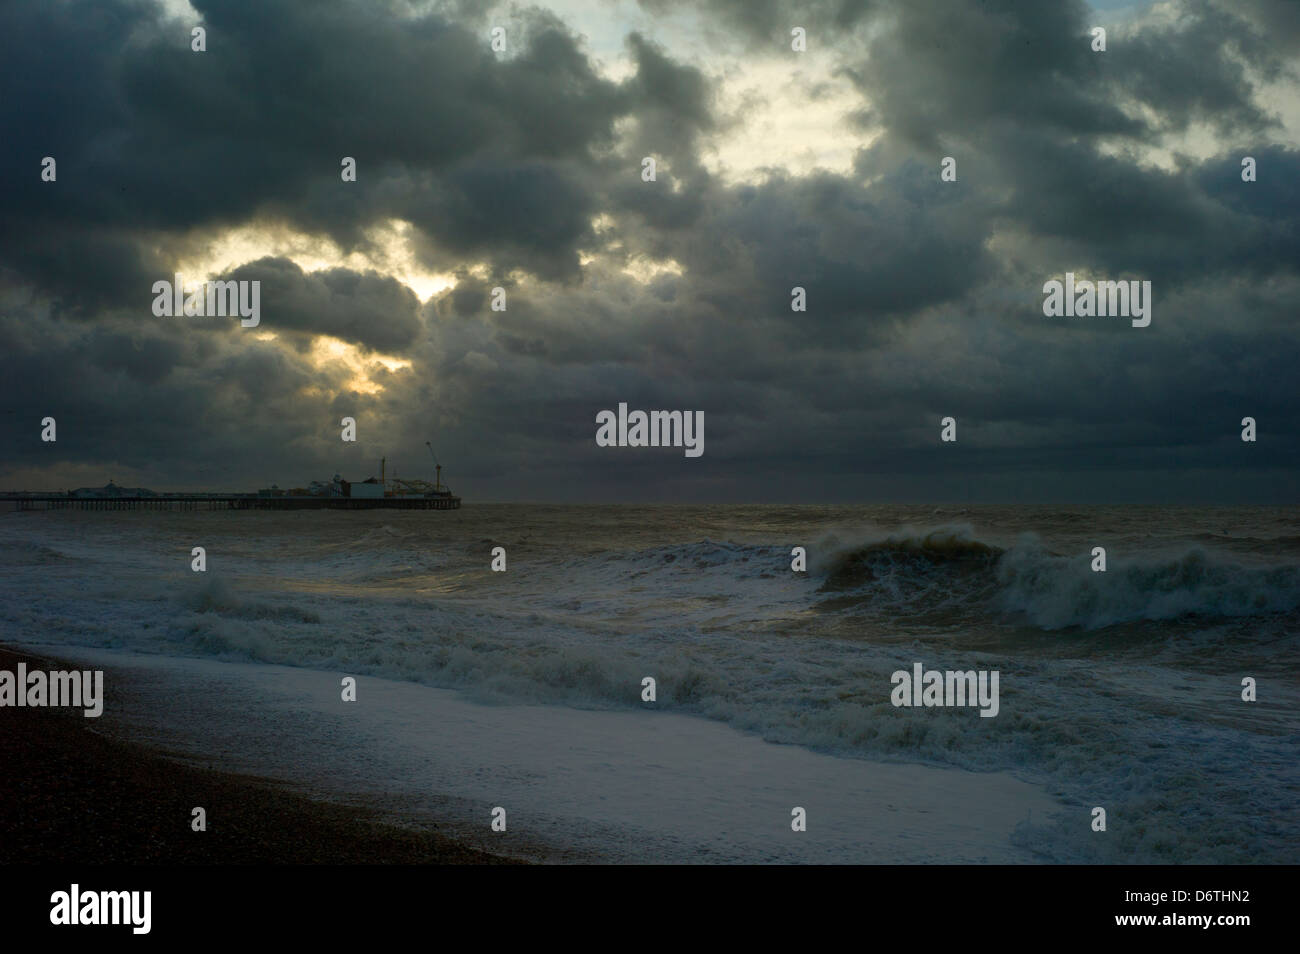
pixel 523 169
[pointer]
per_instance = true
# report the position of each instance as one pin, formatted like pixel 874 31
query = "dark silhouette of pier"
pixel 27 502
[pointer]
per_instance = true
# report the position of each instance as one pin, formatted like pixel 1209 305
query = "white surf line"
pixel 629 786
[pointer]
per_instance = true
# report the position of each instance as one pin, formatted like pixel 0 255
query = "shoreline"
pixel 582 786
pixel 68 792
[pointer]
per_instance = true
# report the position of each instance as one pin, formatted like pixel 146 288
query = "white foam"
pixel 630 786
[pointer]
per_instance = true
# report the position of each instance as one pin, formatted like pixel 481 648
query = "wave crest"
pixel 911 573
pixel 1057 592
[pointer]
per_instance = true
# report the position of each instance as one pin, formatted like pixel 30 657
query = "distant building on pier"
pixel 110 490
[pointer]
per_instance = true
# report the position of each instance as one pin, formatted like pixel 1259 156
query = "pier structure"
pixel 27 502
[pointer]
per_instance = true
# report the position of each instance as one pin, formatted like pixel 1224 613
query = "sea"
pixel 1120 689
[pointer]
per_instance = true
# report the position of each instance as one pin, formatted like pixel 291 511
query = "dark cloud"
pixel 769 22
pixel 953 71
pixel 365 308
pixel 528 215
pixel 1278 23
pixel 523 170
pixel 153 138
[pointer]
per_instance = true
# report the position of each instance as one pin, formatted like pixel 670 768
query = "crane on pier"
pixel 409 487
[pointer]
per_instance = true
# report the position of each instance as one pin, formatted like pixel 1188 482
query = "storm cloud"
pixel 522 170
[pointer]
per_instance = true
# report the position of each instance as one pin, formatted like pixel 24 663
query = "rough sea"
pixel 1120 689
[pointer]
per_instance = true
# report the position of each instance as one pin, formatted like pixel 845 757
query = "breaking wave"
pixel 949 567
pixel 1056 592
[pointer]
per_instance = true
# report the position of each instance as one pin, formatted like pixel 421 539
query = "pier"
pixel 25 502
